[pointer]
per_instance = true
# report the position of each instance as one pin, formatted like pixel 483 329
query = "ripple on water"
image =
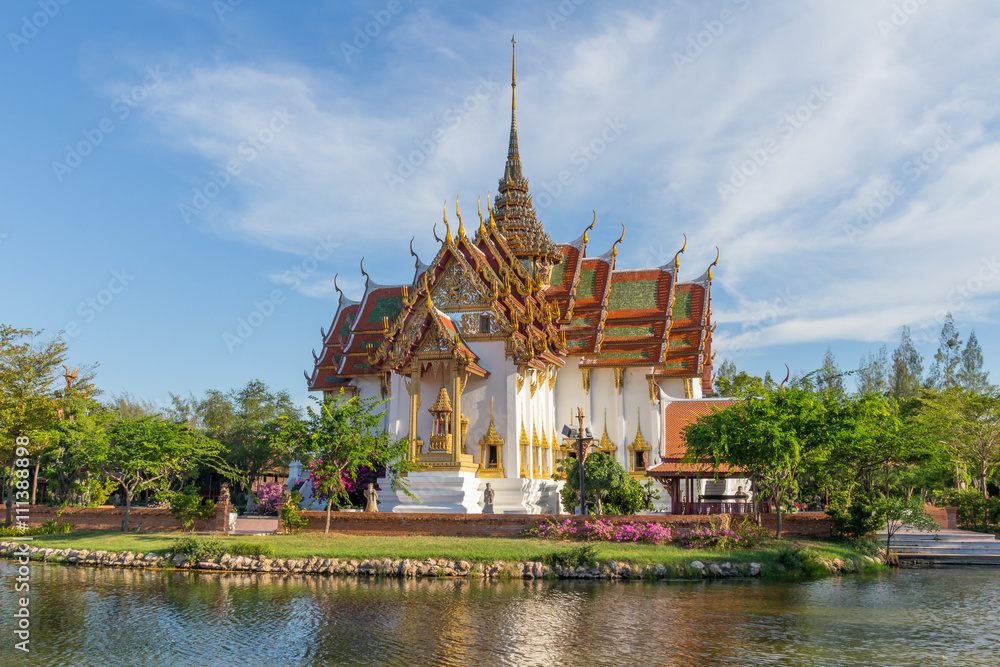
pixel 88 616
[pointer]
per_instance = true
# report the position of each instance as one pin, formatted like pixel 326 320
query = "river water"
pixel 89 616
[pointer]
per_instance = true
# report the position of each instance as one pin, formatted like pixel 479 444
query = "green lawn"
pixel 474 549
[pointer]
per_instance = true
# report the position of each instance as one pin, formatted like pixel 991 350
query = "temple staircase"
pixel 945 547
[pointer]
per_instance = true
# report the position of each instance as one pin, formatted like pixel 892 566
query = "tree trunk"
pixel 128 508
pixel 34 480
pixel 10 497
pixel 329 505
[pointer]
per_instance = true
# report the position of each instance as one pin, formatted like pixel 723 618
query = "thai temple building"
pixel 492 347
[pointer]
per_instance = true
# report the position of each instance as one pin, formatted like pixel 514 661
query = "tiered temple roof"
pixel 546 301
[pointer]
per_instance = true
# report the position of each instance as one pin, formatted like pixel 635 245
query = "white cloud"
pixel 685 131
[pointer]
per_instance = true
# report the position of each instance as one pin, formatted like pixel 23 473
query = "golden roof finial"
pixel 493 223
pixel 586 232
pixel 447 228
pixel 461 227
pixel 718 254
pixel 365 274
pixel 513 73
pixel 614 248
pixel 336 287
pixel 430 304
pixel 677 257
pixel 479 209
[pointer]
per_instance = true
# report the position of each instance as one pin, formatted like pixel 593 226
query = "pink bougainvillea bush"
pixel 747 535
pixel 269 496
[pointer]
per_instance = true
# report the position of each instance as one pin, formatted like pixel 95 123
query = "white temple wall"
pixel 397 408
pixel 673 387
pixel 605 400
pixel 638 406
pixel 569 395
pixel 476 398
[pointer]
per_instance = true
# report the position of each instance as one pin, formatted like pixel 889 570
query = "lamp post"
pixel 583 441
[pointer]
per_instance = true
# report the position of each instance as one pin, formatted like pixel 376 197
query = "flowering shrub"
pixel 269 496
pixel 745 536
pixel 351 489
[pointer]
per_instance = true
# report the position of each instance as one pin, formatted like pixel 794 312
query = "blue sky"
pixel 171 168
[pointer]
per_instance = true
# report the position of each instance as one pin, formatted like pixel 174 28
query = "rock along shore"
pixel 404 568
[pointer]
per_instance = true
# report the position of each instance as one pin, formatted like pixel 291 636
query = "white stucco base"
pixel 522 496
pixel 462 492
pixel 456 492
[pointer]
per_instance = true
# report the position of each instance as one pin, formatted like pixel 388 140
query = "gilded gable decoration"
pixel 605 444
pixel 491 451
pixel 638 451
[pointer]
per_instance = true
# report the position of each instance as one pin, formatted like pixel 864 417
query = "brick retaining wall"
pixel 945 517
pixel 511 525
pixel 800 524
pixel 110 518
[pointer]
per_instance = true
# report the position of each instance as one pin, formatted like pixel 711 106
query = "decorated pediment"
pixel 459 287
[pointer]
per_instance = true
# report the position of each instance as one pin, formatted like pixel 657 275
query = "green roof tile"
pixel 633 295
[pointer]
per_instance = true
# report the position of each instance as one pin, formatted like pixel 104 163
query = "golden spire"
pixel 586 232
pixel 513 77
pixel 677 257
pixel 479 209
pixel 639 441
pixel 614 248
pixel 718 254
pixel 430 304
pixel 461 227
pixel 447 229
pixel 605 444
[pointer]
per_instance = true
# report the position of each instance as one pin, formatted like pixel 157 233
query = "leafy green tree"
pixel 76 449
pixel 897 513
pixel 770 438
pixel 28 373
pixel 244 421
pixel 864 440
pixel 343 436
pixel 971 374
pixel 948 358
pixel 147 452
pixel 906 370
pixel 873 373
pixel 604 480
pixel 830 379
pixel 968 425
pixel 187 506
